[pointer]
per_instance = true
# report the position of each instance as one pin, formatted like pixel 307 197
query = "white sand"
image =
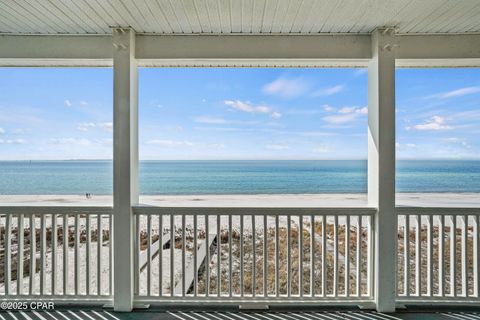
pixel 278 200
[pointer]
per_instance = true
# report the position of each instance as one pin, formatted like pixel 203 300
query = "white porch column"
pixel 381 163
pixel 125 164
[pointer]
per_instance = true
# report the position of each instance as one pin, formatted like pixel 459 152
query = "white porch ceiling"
pixel 238 16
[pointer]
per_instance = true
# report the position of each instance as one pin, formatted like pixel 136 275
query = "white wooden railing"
pixel 245 254
pixel 238 255
pixel 438 258
pixel 37 262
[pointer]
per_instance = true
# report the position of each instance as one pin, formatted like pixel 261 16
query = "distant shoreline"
pixel 443 199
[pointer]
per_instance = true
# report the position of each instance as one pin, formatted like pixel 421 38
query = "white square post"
pixel 381 164
pixel 125 164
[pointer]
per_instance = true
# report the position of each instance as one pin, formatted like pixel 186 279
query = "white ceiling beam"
pixel 461 50
pixel 51 51
pixel 254 47
pixel 336 50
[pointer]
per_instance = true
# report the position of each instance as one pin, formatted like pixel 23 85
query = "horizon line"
pixel 299 159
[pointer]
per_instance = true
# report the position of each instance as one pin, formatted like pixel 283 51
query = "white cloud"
pixel 286 88
pixel 328 108
pixel 250 108
pixel 17 141
pixel 169 143
pixel 83 103
pixel 304 112
pixel 85 126
pixel 19 131
pixel 276 115
pixel 459 92
pixel 341 119
pixel 411 145
pixel 2 131
pixel 346 114
pixel 71 141
pixel 209 120
pixel 329 91
pixel 204 100
pixel 347 110
pixel 363 110
pixel 14 141
pixel 434 123
pixel 106 126
pixel 458 141
pixel 105 142
pixel 218 146
pixel 67 103
pixel 277 147
pixel 321 149
pixel 316 134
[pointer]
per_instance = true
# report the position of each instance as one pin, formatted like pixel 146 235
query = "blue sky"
pixel 236 113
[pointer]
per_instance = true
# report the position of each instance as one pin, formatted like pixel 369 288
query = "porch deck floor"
pixel 91 313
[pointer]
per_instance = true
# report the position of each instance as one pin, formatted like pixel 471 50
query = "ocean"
pixel 234 177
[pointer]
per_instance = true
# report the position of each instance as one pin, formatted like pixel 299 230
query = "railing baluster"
pixel 359 257
pixel 347 256
pixel 441 256
pixel 453 255
pixel 160 255
pixel 265 256
pixel 33 253
pixel 242 284
pixel 464 263
pixel 138 245
pixel 300 255
pixel 312 255
pixel 370 245
pixel 254 258
pixel 289 253
pixel 149 254
pixel 43 255
pixel 172 256
pixel 195 248
pixel 77 253
pixel 219 243
pixel 99 253
pixel 89 255
pixel 110 254
pixel 8 255
pixel 430 255
pixel 476 256
pixel 184 238
pixel 230 256
pixel 277 256
pixel 65 254
pixel 324 256
pixel 20 253
pixel 418 255
pixel 207 254
pixel 406 253
pixel 54 254
pixel 335 256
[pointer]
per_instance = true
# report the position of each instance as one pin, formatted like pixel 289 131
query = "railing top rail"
pixel 54 210
pixel 252 211
pixel 436 211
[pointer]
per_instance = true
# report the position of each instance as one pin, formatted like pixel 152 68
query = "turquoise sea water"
pixel 234 177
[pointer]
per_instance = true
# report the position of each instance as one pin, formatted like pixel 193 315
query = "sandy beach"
pixel 274 200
